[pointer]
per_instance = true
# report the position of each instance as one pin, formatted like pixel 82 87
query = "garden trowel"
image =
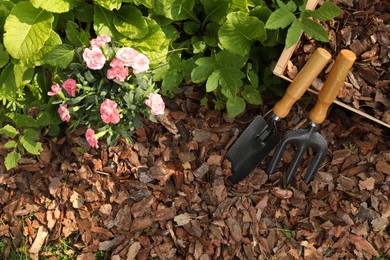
pixel 260 138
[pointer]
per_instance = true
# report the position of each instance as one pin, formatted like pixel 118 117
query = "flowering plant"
pixel 107 89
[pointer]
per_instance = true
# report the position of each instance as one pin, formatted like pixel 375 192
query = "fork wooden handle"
pixel 332 85
pixel 302 81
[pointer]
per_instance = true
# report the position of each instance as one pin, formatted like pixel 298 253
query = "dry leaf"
pixel 281 193
pixel 133 250
pixel 362 244
pixel 367 184
pixel 77 200
pixel 38 242
pixel 184 219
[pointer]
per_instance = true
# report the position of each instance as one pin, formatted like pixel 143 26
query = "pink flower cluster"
pixel 70 85
pixel 94 58
pixel 109 112
pixel 64 112
pixel 156 103
pixel 100 41
pixel 117 70
pixel 125 57
pixel 91 138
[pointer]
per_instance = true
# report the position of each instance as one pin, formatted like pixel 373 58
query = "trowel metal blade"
pixel 254 144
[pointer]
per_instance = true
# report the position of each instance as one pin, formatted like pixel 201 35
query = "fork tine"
pixel 277 156
pixel 316 163
pixel 296 161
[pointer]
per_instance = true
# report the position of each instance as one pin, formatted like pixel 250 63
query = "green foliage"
pixel 35 25
pixel 226 46
pixel 19 143
pixel 286 16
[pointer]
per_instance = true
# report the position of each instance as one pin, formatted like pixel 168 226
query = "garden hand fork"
pixel 302 139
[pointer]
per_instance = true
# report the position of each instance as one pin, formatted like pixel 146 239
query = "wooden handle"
pixel 331 88
pixel 302 81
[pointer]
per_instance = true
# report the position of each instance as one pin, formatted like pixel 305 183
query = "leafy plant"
pixel 105 88
pixel 20 143
pixel 285 17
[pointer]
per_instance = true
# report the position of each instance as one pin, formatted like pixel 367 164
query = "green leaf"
pixel 206 66
pixel 235 106
pixel 11 160
pixel 38 59
pixel 103 22
pixel 55 6
pixel 61 56
pixel 23 121
pixel 13 78
pixel 253 78
pixel 154 45
pixel 226 58
pixel 175 9
pixel 44 118
pixel 261 12
pixel 314 30
pixel 26 30
pixel 215 10
pixel 230 81
pixel 31 146
pixel 9 131
pixel 4 57
pixel 130 22
pixel 290 6
pixel 31 134
pixel 84 12
pixel 147 3
pixel 171 83
pixel 110 4
pixel 252 95
pixel 240 31
pixel 29 143
pixel 327 11
pixel 213 81
pixel 198 46
pixel 293 33
pixel 237 5
pixel 211 34
pixel 5 10
pixel 10 144
pixel 77 37
pixel 190 27
pixel 281 18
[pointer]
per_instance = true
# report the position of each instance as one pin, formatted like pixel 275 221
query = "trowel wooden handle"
pixel 331 88
pixel 302 81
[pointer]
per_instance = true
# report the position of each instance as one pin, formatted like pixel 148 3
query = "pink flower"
pixel 55 89
pixel 156 103
pixel 127 55
pixel 91 138
pixel 109 112
pixel 119 73
pixel 70 86
pixel 64 112
pixel 116 62
pixel 141 63
pixel 100 40
pixel 94 58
